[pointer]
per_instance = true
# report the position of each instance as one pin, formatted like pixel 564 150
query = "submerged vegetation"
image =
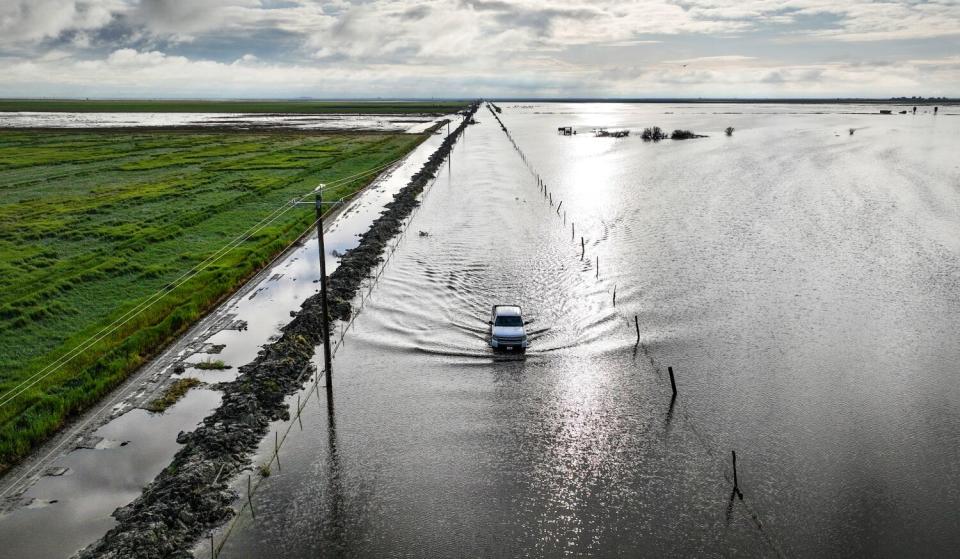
pixel 209 365
pixel 654 134
pixel 93 224
pixel 172 394
pixel 684 135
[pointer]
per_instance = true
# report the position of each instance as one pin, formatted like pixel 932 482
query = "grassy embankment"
pixel 247 106
pixel 92 224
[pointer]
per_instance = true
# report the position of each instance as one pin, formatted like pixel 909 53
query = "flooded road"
pixel 801 281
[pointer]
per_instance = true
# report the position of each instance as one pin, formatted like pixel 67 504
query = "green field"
pixel 91 224
pixel 246 106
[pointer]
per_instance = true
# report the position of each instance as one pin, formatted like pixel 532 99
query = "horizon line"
pixel 504 98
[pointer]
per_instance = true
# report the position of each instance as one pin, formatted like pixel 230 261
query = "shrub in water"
pixel 654 134
pixel 729 131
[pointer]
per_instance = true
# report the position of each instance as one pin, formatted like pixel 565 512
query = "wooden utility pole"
pixel 327 367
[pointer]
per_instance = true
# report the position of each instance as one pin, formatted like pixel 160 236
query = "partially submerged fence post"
pixel 298 412
pixel 614 295
pixel 583 248
pixel 636 322
pixel 253 513
pixel 736 483
pixel 673 386
pixel 276 448
pixel 598 266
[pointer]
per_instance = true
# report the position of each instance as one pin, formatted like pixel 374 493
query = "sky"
pixel 478 48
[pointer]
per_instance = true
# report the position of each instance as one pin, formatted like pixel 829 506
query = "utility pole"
pixel 328 369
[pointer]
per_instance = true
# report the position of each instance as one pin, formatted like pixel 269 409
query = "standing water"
pixel 802 282
pixel 73 495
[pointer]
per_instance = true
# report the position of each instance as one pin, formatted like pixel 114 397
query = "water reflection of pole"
pixel 336 508
pixel 328 369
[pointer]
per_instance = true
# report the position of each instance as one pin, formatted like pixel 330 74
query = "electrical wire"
pixel 130 314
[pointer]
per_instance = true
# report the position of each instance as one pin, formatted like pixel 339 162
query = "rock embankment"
pixel 192 494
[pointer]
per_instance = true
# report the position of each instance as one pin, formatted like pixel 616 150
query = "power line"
pixel 52 367
pixel 133 313
pixel 40 464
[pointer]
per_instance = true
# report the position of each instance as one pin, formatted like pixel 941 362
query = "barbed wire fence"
pixel 718 458
pixel 247 509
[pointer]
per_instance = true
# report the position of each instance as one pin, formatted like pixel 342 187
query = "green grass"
pixel 178 389
pixel 246 106
pixel 92 223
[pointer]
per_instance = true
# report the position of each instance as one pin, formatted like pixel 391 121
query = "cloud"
pixel 437 47
pixel 132 73
pixel 33 20
pixel 721 60
pixel 132 59
pixel 180 17
pixel 851 20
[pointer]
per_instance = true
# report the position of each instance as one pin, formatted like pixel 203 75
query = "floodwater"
pixel 802 282
pixel 367 122
pixel 70 507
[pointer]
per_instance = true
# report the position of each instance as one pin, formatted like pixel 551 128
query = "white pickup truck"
pixel 507 330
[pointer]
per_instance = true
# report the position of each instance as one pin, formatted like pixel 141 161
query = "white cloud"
pixel 32 20
pixel 128 72
pixel 564 47
pixel 130 58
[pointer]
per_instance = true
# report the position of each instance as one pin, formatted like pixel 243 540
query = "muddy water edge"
pixel 192 494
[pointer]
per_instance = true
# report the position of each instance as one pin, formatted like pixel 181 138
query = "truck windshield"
pixel 508 321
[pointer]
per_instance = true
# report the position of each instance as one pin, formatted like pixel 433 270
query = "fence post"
pixel 298 412
pixel 736 483
pixel 276 448
pixel 253 513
